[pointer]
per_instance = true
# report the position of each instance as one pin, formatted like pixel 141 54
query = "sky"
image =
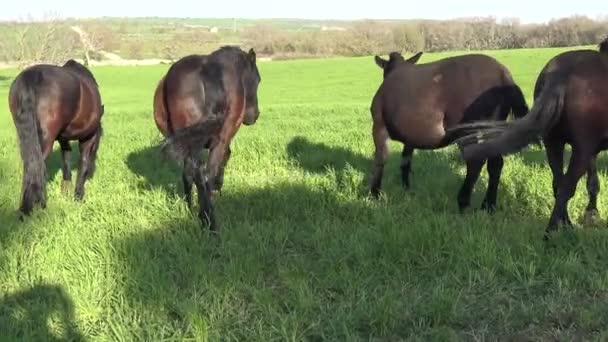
pixel 526 10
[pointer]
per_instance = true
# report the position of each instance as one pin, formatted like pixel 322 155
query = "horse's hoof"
pixel 20 215
pixel 591 218
pixel 78 197
pixel 216 193
pixel 66 186
pixel 489 208
pixel 374 194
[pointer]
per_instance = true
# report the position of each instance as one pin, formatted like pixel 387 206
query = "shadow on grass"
pixel 40 313
pixel 537 157
pixel 184 277
pixel 292 257
pixel 431 171
pixel 157 170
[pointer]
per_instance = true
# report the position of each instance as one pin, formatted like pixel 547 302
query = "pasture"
pixel 303 254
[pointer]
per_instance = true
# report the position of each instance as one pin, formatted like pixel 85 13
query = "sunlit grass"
pixel 303 255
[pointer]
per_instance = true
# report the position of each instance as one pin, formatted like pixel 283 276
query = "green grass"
pixel 304 255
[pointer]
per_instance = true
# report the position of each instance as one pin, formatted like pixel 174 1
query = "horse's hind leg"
pixel 464 195
pixel 406 165
pixel 380 135
pixel 66 183
pixel 555 158
pixel 592 215
pixel 579 163
pixel 494 170
pixel 188 179
pixel 88 156
pixel 206 211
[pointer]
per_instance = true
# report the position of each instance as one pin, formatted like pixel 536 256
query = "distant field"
pixel 304 255
pixel 139 38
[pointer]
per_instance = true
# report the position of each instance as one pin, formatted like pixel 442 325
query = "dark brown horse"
pixel 417 104
pixel 51 103
pixel 571 107
pixel 200 103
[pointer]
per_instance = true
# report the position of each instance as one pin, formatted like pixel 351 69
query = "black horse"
pixel 417 104
pixel 571 108
pixel 201 103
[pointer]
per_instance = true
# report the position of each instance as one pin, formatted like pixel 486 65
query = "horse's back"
pixel 585 111
pixel 587 90
pixel 180 96
pixel 418 102
pixel 191 90
pixel 450 83
pixel 562 62
pixel 56 89
pixel 68 103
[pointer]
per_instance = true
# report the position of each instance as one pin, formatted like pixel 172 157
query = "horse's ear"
pixel 251 55
pixel 415 58
pixel 380 62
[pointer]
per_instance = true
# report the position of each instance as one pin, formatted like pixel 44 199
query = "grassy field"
pixel 304 255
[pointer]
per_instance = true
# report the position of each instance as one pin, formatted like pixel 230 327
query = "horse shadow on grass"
pixel 25 315
pixel 156 169
pixel 432 171
pixel 178 273
pixel 286 250
pixel 537 157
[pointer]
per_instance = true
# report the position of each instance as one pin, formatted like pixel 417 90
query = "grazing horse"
pixel 571 107
pixel 51 103
pixel 200 103
pixel 417 104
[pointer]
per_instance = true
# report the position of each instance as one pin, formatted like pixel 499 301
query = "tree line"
pixel 373 37
pixel 55 40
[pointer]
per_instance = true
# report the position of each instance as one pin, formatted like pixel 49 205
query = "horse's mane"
pixel 80 69
pixel 604 46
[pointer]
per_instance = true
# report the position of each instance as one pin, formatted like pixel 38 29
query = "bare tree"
pixel 45 41
pixel 95 38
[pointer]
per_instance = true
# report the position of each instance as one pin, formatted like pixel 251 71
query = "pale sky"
pixel 526 10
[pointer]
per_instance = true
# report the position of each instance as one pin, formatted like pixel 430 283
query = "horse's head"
pixel 251 80
pixel 395 59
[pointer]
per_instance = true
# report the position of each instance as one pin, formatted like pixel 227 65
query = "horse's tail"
pixel 30 140
pixel 480 140
pixel 604 46
pixel 517 101
pixel 187 142
pixel 165 106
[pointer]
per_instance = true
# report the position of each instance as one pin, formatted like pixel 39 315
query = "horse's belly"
pixel 419 130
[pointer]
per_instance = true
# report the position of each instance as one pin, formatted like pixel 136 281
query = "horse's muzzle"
pixel 251 116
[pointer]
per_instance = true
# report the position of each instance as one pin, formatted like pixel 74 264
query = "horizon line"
pixel 57 16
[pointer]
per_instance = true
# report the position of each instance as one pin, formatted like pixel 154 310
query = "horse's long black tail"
pixel 190 141
pixel 30 140
pixel 481 140
pixel 517 100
